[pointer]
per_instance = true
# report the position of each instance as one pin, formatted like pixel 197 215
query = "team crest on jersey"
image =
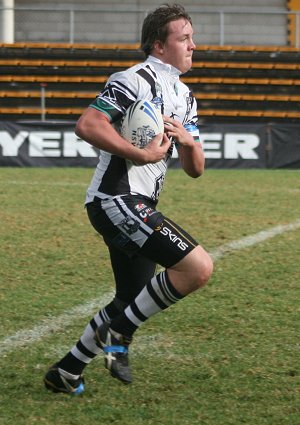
pixel 157 102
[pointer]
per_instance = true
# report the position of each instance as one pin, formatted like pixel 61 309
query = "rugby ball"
pixel 142 121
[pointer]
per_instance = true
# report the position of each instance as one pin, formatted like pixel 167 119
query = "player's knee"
pixel 201 267
pixel 194 270
pixel 205 270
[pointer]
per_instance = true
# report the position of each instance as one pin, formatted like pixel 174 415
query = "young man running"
pixel 122 199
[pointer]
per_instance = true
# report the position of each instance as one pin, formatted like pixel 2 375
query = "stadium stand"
pixel 231 83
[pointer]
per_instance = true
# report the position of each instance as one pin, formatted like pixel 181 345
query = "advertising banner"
pixel 284 149
pixel 54 144
pixel 234 145
pixel 44 144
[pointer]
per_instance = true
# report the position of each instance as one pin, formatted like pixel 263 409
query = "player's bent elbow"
pixel 194 173
pixel 193 170
pixel 83 129
pixel 80 128
pixel 78 132
pixel 90 122
pixel 197 174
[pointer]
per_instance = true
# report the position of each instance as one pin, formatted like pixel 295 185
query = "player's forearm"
pixel 103 136
pixel 192 159
pixel 95 129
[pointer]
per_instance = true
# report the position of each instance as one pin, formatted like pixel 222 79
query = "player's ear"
pixel 158 47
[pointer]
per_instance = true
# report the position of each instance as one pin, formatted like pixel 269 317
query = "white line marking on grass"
pixel 253 239
pixel 53 183
pixel 54 324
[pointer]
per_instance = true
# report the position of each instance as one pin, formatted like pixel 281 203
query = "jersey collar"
pixel 170 69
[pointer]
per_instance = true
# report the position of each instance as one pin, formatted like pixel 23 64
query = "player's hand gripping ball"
pixel 141 123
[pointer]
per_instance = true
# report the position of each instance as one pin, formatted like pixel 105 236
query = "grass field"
pixel 226 355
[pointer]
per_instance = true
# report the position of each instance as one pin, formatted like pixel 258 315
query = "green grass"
pixel 226 355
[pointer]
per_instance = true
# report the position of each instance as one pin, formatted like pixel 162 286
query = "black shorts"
pixel 132 225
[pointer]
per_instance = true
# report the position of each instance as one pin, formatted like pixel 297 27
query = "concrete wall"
pixel 243 22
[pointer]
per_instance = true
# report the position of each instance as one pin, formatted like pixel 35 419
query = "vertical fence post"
pixel 72 24
pixel 222 28
pixel 7 28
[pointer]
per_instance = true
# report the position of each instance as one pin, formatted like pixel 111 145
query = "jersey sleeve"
pixel 121 90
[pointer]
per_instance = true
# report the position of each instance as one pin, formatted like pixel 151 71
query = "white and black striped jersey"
pixel 157 82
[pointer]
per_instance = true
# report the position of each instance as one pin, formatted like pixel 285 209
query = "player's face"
pixel 179 46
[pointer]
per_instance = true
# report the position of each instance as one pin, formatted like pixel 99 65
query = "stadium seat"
pixel 230 82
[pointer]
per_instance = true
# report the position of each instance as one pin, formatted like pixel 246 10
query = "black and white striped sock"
pixel 85 350
pixel 156 296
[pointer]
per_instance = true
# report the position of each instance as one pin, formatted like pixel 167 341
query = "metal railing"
pixel 245 26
